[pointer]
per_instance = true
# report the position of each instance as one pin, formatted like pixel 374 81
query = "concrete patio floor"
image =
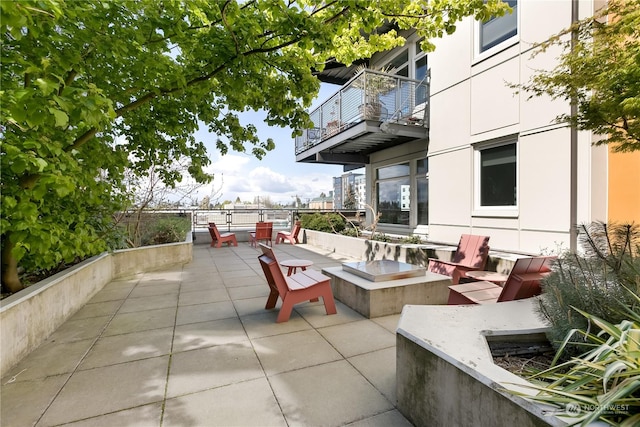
pixel 194 346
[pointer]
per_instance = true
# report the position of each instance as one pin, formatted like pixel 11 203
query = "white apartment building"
pixel 455 150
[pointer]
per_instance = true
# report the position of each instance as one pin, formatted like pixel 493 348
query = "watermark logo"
pixel 573 409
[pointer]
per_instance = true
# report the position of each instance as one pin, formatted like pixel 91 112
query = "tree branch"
pixel 226 25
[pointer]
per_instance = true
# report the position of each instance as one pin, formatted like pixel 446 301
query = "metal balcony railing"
pixel 369 95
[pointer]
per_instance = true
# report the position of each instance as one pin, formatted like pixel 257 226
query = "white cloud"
pixel 265 182
pixel 268 181
pixel 230 164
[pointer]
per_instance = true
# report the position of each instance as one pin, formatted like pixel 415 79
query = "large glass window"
pixel 497 29
pixel 393 190
pixel 422 184
pixel 498 176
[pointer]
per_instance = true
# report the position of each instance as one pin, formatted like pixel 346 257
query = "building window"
pixel 498 177
pixel 422 186
pixel 398 65
pixel 498 29
pixel 393 194
pixel 421 75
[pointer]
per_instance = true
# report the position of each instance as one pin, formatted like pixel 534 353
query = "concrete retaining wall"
pixel 28 317
pixel 127 262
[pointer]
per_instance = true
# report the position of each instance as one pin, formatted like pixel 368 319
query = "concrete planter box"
pixel 369 250
pixel 417 254
pixel 445 370
pixel 28 317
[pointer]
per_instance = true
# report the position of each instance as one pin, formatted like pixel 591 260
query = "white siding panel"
pixel 494 105
pixel 450 63
pixel 450 188
pixel 541 242
pixel 539 112
pixel 544 192
pixel 450 118
pixel 598 205
pixel 539 20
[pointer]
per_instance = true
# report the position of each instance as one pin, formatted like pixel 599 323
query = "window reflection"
pixel 393 194
pixel 422 182
pixel 498 176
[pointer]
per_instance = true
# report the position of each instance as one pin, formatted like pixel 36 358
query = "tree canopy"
pixel 601 71
pixel 91 88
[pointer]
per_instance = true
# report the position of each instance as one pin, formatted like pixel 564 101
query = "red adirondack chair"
pixel 263 231
pixel 306 285
pixel 523 282
pixel 218 239
pixel 471 254
pixel 292 237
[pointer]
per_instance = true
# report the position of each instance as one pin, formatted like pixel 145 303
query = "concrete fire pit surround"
pixel 445 370
pixel 384 298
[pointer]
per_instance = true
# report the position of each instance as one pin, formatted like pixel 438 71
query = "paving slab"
pixel 103 390
pixel 312 396
pixel 249 403
pixel 212 367
pixel 288 352
pixel 359 337
pixel 197 313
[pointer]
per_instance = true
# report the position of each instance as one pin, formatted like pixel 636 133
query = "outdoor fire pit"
pixel 382 270
pixel 382 287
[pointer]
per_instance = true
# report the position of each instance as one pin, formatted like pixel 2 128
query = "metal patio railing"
pixel 369 95
pixel 234 219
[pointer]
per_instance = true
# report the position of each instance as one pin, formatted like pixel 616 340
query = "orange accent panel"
pixel 624 187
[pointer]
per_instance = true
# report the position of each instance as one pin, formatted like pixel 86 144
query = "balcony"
pixel 371 112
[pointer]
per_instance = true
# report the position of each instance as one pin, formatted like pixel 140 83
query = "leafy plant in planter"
pixel 380 237
pixel 374 84
pixel 166 230
pixel 351 232
pixel 602 384
pixel 328 222
pixel 413 239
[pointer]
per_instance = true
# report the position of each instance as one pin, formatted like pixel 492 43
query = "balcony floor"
pixel 354 143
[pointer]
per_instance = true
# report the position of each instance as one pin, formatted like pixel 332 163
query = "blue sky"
pixel 277 175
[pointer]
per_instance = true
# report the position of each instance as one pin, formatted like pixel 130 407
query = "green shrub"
pixel 327 222
pixel 165 230
pixel 594 282
pixel 413 239
pixel 380 237
pixel 351 231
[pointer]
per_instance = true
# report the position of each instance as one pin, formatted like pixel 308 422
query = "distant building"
pixel 237 206
pixel 337 192
pixel 361 190
pixel 349 183
pixel 322 202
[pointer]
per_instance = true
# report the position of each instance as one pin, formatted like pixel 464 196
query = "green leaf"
pixel 62 120
pixel 47 86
